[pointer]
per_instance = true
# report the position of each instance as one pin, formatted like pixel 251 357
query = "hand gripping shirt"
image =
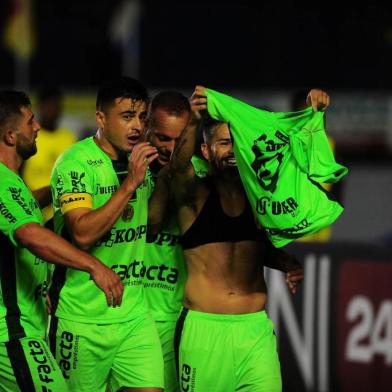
pixel 22 275
pixel 84 176
pixel 282 159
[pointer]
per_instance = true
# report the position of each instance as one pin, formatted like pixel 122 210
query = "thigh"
pixel 138 362
pixel 84 353
pixel 166 336
pixel 205 357
pixel 27 365
pixel 257 358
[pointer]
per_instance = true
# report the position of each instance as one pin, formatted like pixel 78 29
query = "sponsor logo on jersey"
pixel 59 185
pixel 105 190
pixel 290 231
pixel 95 162
pixel 43 362
pixel 188 378
pixel 77 181
pixel 71 199
pixel 40 291
pixel 119 236
pixel 68 350
pixel 266 205
pixel 137 269
pixel 163 238
pixel 6 212
pixel 16 195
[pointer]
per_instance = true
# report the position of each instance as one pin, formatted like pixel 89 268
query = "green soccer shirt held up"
pixel 282 158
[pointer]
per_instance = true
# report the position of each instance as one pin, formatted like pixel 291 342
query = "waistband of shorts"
pixel 195 314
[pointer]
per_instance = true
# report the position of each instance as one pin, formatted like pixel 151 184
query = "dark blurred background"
pixel 221 43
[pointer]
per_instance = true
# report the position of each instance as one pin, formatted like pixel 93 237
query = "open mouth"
pixel 231 161
pixel 133 139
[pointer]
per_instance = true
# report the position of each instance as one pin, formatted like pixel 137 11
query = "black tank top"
pixel 213 225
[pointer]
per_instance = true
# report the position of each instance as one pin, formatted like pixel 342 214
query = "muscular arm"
pixel 50 247
pixel 181 160
pixel 86 225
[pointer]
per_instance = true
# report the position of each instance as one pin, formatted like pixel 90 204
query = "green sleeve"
pixel 16 209
pixel 71 176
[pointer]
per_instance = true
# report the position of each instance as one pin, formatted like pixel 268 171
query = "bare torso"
pixel 223 277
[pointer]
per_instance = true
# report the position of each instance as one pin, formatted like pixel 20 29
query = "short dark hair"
pixel 208 126
pixel 171 102
pixel 10 104
pixel 122 87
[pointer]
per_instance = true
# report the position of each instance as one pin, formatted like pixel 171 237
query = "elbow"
pixel 83 242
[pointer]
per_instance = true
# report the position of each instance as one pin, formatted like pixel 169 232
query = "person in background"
pixel 52 141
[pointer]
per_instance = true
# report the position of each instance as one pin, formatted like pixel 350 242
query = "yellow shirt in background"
pixel 38 168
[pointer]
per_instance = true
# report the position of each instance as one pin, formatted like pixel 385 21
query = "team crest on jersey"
pixel 128 213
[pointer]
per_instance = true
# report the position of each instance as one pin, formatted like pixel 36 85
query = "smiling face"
pixel 26 133
pixel 164 132
pixel 219 151
pixel 123 123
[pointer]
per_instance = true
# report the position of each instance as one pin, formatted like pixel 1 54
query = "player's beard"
pixel 221 167
pixel 26 149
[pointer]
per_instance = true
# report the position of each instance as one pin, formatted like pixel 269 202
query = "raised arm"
pixel 181 160
pixel 318 99
pixel 86 225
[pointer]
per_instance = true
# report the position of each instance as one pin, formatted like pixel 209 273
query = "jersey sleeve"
pixel 72 185
pixel 16 209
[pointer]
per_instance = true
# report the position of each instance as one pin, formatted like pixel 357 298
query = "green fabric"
pixel 120 355
pixel 23 275
pixel 200 166
pixel 85 168
pixel 282 157
pixel 166 335
pixel 36 367
pixel 165 275
pixel 228 353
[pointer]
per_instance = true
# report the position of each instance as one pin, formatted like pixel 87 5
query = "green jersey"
pixel 84 176
pixel 23 275
pixel 282 158
pixel 165 273
pixel 165 265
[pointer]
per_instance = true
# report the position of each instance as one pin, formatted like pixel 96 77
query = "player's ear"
pixel 100 118
pixel 9 137
pixel 205 151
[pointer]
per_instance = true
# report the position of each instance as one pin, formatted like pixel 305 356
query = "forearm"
pixel 89 227
pixel 185 149
pixel 52 248
pixel 280 260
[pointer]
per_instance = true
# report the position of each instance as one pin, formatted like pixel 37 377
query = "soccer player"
pixel 101 188
pixel 168 116
pixel 25 360
pixel 223 320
